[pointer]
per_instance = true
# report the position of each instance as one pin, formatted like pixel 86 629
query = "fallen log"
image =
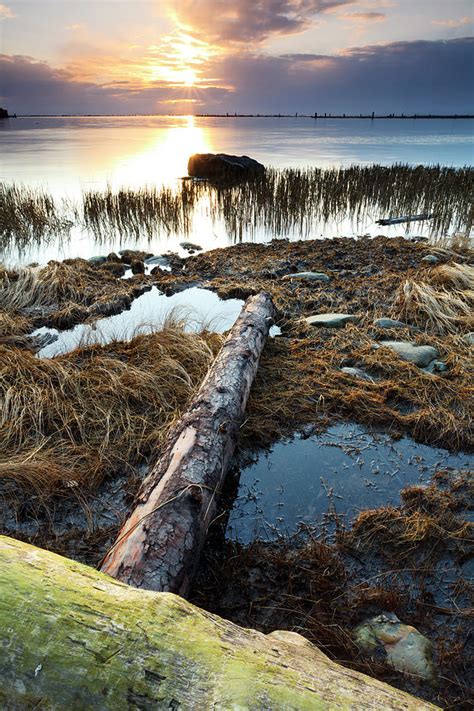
pixel 73 638
pixel 159 545
pixel 405 218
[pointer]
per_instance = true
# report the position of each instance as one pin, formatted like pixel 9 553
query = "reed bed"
pixel 69 422
pixel 438 310
pixel 31 216
pixel 285 202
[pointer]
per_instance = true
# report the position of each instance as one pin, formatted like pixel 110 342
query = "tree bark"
pixel 158 547
pixel 74 639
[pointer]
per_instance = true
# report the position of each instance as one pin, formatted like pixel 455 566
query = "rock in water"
pixel 330 320
pixel 407 650
pixel 310 276
pixel 215 166
pixel 419 355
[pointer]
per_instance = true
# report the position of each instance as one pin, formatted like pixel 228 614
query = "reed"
pixel 285 202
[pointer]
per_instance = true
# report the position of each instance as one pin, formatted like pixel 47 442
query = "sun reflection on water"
pixel 164 158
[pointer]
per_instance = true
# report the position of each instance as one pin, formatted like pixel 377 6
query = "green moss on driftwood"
pixel 73 638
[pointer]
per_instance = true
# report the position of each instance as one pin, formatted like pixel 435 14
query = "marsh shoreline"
pixel 68 480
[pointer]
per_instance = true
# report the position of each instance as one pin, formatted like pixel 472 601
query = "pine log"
pixel 159 545
pixel 73 639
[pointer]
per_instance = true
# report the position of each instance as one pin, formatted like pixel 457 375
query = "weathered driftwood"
pixel 158 547
pixel 405 218
pixel 75 639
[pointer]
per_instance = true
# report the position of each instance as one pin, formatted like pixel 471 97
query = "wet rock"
pixel 97 260
pixel 138 267
pixel 330 320
pixel 159 261
pixel 190 247
pixel 407 650
pixel 430 259
pixel 215 166
pixel 469 338
pixel 357 373
pixel 436 366
pixel 389 323
pixel 310 276
pixel 112 257
pixel 418 355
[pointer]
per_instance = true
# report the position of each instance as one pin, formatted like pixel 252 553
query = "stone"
pixel 330 320
pixel 97 260
pixel 358 373
pixel 436 366
pixel 407 649
pixel 418 355
pixel 469 338
pixel 160 261
pixel 430 259
pixel 310 276
pixel 389 323
pixel 215 166
pixel 190 247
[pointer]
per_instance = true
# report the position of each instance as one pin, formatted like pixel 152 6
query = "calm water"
pixel 69 155
pixel 343 471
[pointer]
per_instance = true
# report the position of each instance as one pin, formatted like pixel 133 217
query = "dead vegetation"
pixel 282 202
pixel 391 560
pixel 72 420
pixel 440 311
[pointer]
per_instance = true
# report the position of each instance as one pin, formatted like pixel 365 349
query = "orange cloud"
pixel 6 13
pixel 453 24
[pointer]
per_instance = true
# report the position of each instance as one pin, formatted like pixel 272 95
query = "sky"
pixel 244 56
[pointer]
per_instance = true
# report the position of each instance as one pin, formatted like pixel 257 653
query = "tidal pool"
pixel 195 308
pixel 340 472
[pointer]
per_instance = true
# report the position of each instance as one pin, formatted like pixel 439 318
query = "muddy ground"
pixel 413 560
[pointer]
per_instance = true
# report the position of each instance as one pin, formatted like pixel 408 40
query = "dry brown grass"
pixel 457 276
pixel 437 310
pixel 70 421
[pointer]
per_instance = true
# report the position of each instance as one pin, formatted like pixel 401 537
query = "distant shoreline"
pixel 315 117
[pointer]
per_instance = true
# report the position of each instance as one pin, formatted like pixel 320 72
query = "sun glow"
pixel 179 60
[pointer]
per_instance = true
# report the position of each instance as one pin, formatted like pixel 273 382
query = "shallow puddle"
pixel 196 308
pixel 342 471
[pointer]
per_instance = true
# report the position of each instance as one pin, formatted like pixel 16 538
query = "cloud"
pixel 453 24
pixel 29 86
pixel 244 21
pixel 76 27
pixel 419 76
pixel 362 18
pixel 5 12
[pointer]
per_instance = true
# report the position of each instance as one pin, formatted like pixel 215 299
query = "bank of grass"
pixel 69 422
pixel 289 201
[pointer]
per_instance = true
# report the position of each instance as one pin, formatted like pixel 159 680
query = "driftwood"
pixel 75 639
pixel 405 218
pixel 159 545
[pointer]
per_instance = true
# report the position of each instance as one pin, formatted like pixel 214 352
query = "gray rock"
pixel 97 260
pixel 419 355
pixel 469 338
pixel 436 366
pixel 310 276
pixel 431 259
pixel 330 320
pixel 190 247
pixel 407 649
pixel 161 261
pixel 358 373
pixel 389 323
pixel 215 166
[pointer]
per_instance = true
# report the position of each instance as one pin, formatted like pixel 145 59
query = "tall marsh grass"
pixel 285 202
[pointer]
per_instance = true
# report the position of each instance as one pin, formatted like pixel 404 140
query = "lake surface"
pixel 70 155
